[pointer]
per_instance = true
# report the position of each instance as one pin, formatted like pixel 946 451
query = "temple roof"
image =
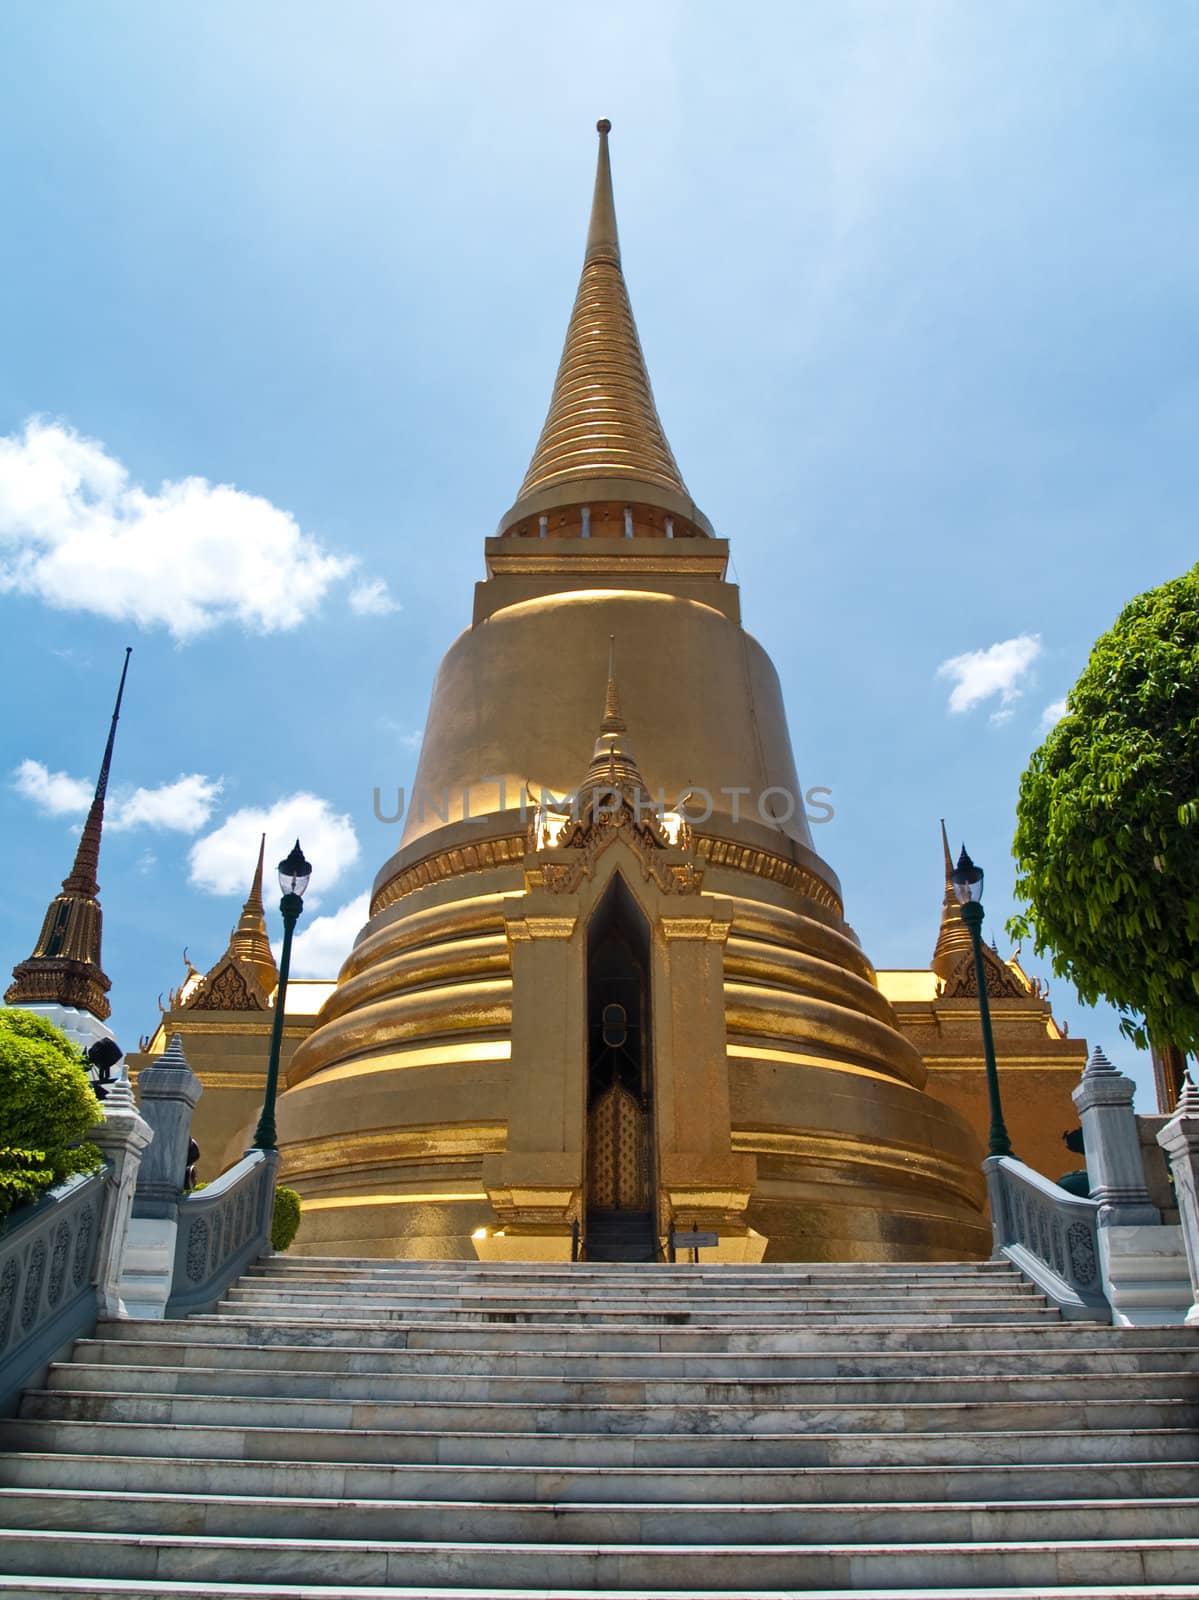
pixel 602 438
pixel 245 977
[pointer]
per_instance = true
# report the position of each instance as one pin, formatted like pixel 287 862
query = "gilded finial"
pixel 613 719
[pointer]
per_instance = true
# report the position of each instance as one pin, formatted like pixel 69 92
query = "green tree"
pixel 1107 837
pixel 46 1108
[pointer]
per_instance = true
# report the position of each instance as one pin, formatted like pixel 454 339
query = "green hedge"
pixel 46 1107
pixel 285 1219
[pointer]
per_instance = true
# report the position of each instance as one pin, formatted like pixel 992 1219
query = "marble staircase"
pixel 415 1429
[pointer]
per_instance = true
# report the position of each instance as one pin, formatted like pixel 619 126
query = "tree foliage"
pixel 1107 838
pixel 46 1108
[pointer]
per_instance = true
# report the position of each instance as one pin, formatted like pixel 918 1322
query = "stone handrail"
pixel 222 1229
pixel 1051 1235
pixel 47 1271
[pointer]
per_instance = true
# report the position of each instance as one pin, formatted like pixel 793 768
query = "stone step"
pixel 287 1291
pixel 199 1440
pixel 19 1588
pixel 870 1313
pixel 624 1289
pixel 619 1568
pixel 691 1365
pixel 79 1377
pixel 553 1523
pixel 526 1270
pixel 732 1417
pixel 372 1333
pixel 853 1486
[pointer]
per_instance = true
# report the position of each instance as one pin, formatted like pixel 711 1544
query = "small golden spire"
pixel 613 719
pixel 64 968
pixel 249 944
pixel 612 760
pixel 953 938
pixel 602 440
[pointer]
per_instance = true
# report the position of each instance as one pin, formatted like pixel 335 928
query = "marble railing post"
pixel 1113 1146
pixel 1142 1262
pixel 168 1092
pixel 1180 1140
pixel 123 1137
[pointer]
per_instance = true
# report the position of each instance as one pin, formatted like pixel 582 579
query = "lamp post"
pixel 968 886
pixel 294 873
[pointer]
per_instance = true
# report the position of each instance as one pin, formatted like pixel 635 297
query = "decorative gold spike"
pixel 613 719
pixel 953 938
pixel 602 421
pixel 246 975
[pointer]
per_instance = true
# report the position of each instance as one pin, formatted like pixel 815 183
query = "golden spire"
pixel 246 975
pixel 612 763
pixel 953 939
pixel 64 968
pixel 613 719
pixel 248 943
pixel 602 440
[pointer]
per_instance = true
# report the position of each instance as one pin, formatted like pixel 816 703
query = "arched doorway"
pixel 619 1220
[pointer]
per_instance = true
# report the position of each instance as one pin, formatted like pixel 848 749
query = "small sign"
pixel 694 1241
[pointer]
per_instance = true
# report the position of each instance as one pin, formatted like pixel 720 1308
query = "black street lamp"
pixel 294 873
pixel 968 886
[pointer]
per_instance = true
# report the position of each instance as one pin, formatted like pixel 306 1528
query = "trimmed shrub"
pixel 46 1107
pixel 285 1220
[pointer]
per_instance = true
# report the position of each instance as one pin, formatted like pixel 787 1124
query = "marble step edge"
pixel 623 1567
pixel 11 1495
pixel 932 1339
pixel 27 1588
pixel 580 1419
pixel 555 1451
pixel 629 1364
pixel 507 1479
pixel 82 1377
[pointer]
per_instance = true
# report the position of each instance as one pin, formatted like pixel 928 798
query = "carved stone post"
pixel 1180 1140
pixel 1109 1131
pixel 123 1136
pixel 169 1091
pixel 1141 1262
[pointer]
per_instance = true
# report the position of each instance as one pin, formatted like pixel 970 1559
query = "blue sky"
pixel 916 288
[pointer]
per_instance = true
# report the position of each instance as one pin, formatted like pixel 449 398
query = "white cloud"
pixel 373 599
pixel 56 794
pixel 222 861
pixel 77 534
pixel 319 949
pixel 184 805
pixel 980 674
pixel 1053 714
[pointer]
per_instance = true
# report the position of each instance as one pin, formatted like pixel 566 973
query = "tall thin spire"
pixel 953 938
pixel 82 877
pixel 249 943
pixel 64 968
pixel 602 436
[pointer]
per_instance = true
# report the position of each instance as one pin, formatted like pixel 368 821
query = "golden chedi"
pixel 583 1014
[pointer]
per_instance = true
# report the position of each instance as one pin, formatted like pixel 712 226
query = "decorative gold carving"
pixel 618 1152
pixel 442 864
pixel 1002 982
pixel 226 989
pixel 706 928
pixel 542 927
pixel 719 852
